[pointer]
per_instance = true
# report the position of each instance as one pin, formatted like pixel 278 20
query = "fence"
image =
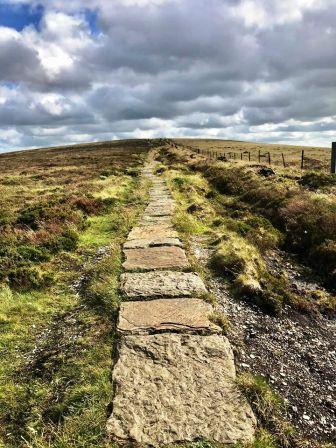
pixel 304 161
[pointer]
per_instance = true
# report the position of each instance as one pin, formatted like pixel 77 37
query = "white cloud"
pixel 222 68
pixel 267 13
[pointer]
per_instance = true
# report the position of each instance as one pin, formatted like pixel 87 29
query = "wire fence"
pixel 301 160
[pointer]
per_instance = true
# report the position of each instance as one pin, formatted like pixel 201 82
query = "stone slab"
pixel 152 242
pixel 159 210
pixel 160 202
pixel 159 187
pixel 153 220
pixel 173 388
pixel 160 197
pixel 153 231
pixel 153 258
pixel 150 285
pixel 186 315
pixel 160 193
pixel 159 183
pixel 157 190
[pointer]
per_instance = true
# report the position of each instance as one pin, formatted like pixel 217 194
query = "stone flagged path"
pixel 174 379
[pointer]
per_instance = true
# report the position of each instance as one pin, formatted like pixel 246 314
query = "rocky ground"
pixel 295 352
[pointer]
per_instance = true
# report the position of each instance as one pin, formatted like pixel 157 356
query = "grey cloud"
pixel 18 61
pixel 188 66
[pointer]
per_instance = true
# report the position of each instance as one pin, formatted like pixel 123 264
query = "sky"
pixel 77 71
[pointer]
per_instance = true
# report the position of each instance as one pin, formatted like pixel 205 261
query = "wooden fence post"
pixel 302 159
pixel 249 156
pixel 259 156
pixel 333 158
pixel 283 159
pixel 269 158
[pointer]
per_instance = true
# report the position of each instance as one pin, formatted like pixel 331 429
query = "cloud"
pixel 243 69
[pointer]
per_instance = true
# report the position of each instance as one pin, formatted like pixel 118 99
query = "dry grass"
pixel 64 213
pixel 315 157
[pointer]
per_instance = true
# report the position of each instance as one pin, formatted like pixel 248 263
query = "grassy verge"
pixel 238 242
pixel 240 214
pixel 56 338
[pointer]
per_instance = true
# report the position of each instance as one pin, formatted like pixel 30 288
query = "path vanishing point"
pixel 174 376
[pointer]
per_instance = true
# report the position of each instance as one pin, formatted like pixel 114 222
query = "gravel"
pixel 295 353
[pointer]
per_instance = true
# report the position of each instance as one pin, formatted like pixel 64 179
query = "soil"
pixel 294 352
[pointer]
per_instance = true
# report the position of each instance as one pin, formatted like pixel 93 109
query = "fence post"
pixel 249 156
pixel 302 159
pixel 283 159
pixel 333 158
pixel 259 156
pixel 269 158
pixel 241 156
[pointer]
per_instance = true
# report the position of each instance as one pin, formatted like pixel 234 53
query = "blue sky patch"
pixel 19 16
pixel 91 18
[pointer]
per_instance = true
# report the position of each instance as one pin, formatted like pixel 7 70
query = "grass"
pixel 268 407
pixel 249 215
pixel 64 215
pixel 56 338
pixel 239 237
pixel 315 157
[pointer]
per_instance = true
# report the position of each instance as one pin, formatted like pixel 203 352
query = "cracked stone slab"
pixel 172 388
pixel 152 258
pixel 152 242
pixel 187 315
pixel 150 285
pixel 152 231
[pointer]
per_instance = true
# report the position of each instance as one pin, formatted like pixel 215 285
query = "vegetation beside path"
pixel 248 217
pixel 64 215
pixel 239 240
